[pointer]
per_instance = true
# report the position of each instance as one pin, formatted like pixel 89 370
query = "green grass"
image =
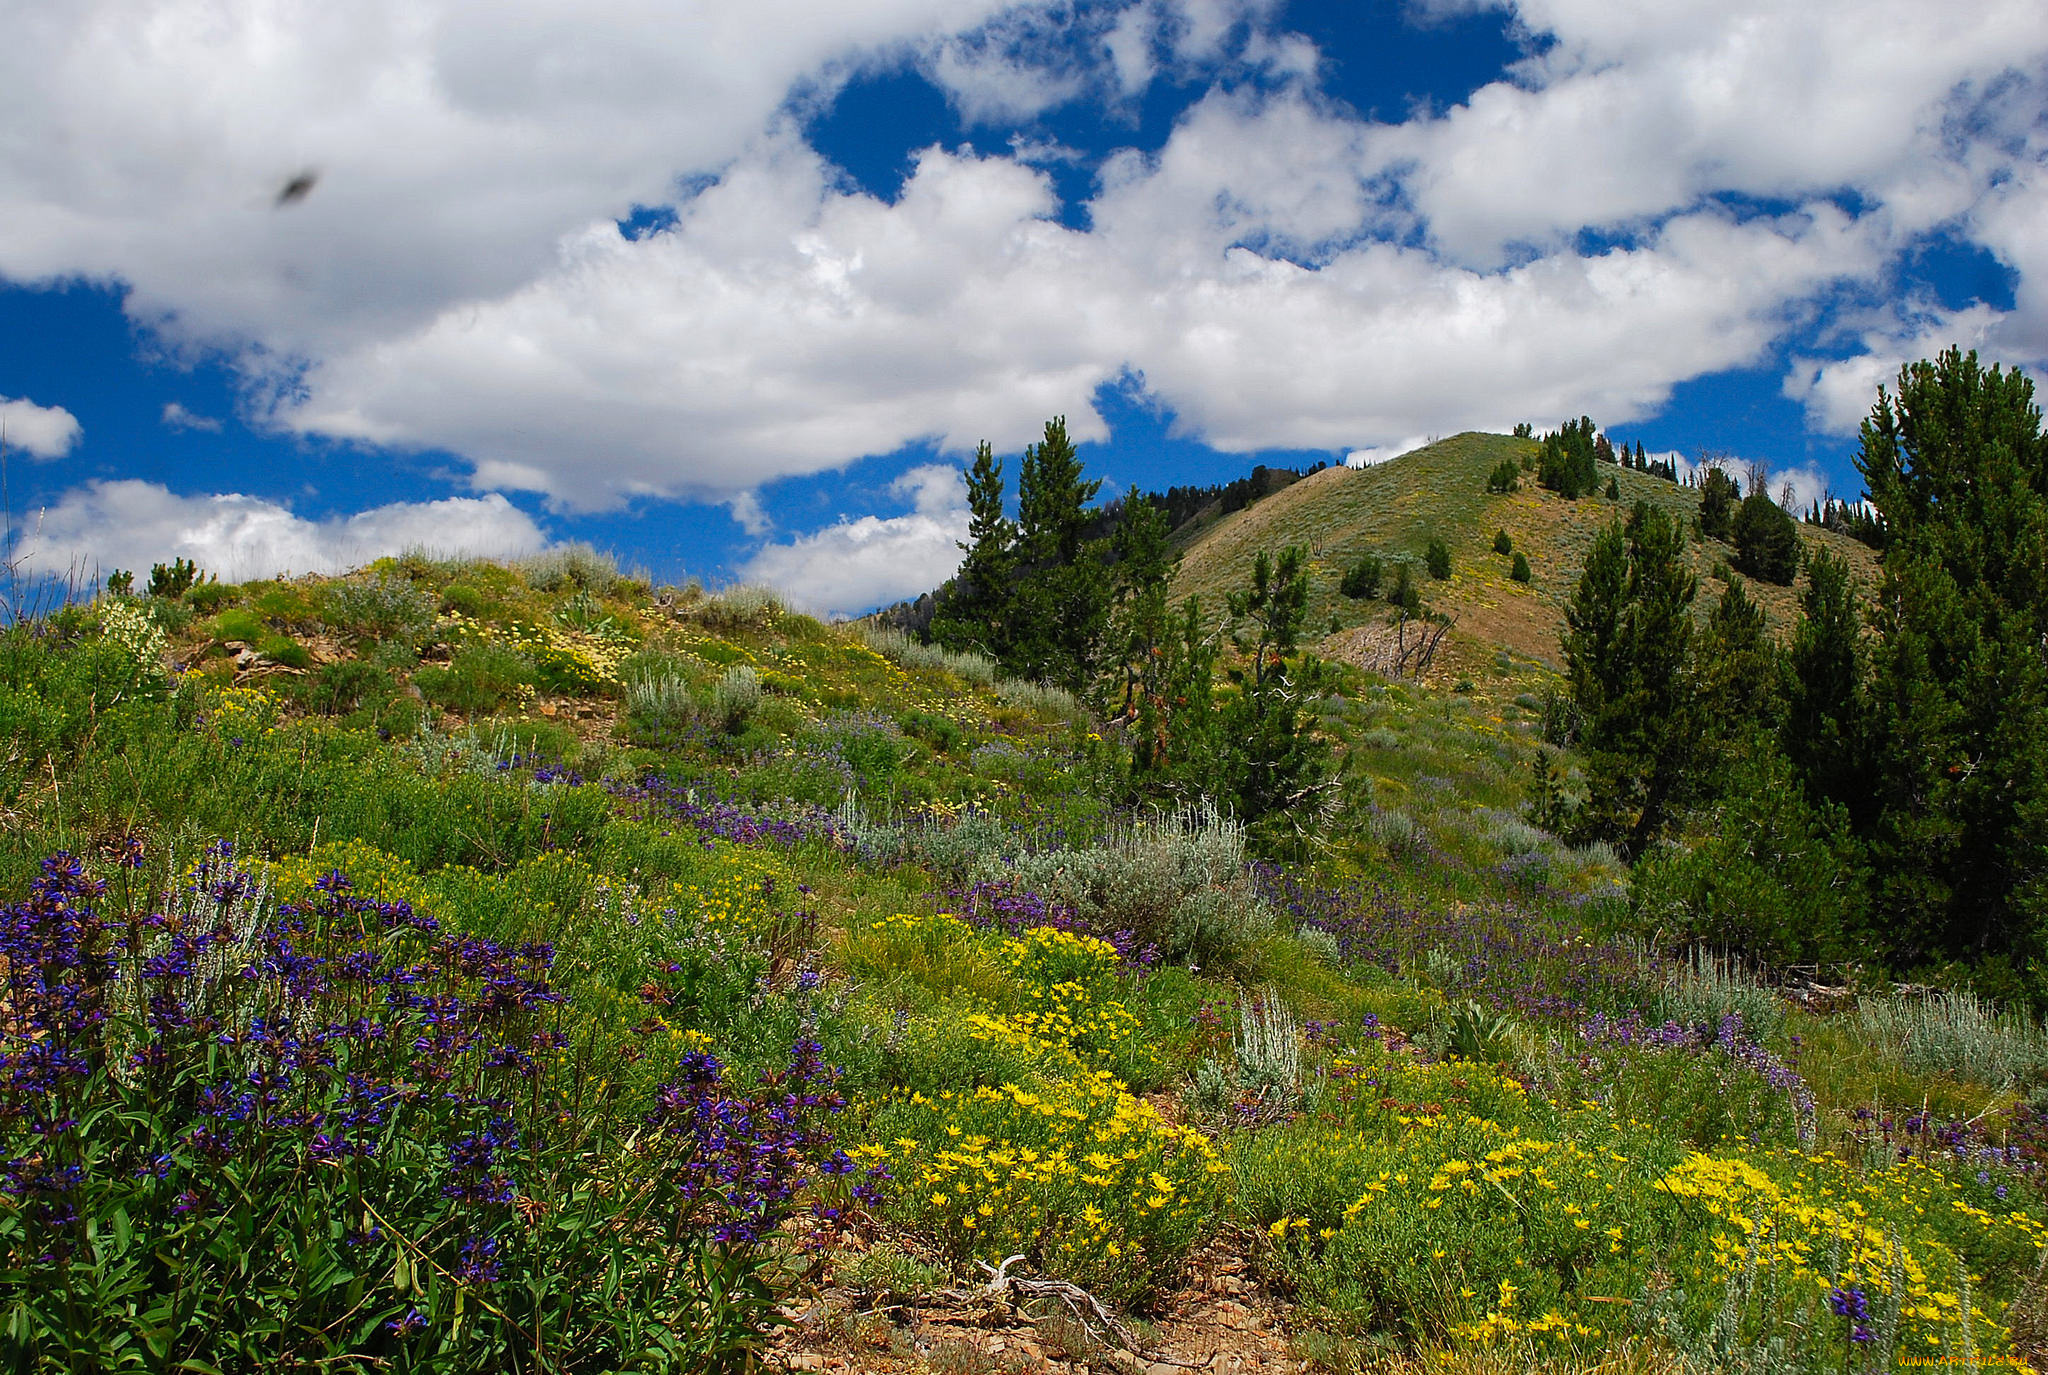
pixel 1274 1075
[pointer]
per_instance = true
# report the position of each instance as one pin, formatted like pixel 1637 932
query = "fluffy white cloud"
pixel 1631 112
pixel 453 142
pixel 783 326
pixel 179 417
pixel 856 565
pixel 133 524
pixel 42 432
pixel 1281 272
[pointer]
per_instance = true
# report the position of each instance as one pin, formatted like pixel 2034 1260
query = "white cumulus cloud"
pixel 133 524
pixel 179 417
pixel 42 432
pixel 857 565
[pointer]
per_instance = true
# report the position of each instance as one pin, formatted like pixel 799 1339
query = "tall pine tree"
pixel 1957 466
pixel 978 612
pixel 1062 582
pixel 1628 657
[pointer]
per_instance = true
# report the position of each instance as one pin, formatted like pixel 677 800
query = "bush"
pixel 1438 559
pixel 1404 593
pixel 380 608
pixel 572 566
pixel 1178 884
pixel 1505 477
pixel 1520 572
pixel 1502 544
pixel 481 678
pixel 734 698
pixel 1362 579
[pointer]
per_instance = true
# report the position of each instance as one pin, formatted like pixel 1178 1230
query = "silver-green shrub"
pixel 1955 1033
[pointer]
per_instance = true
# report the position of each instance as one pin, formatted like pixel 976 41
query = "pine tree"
pixel 1277 762
pixel 1957 467
pixel 1824 726
pixel 1139 620
pixel 1766 539
pixel 1063 585
pixel 978 610
pixel 1718 494
pixel 1627 649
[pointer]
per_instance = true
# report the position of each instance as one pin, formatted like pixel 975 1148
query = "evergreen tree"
pixel 1628 658
pixel 1957 467
pixel 1569 462
pixel 978 611
pixel 1062 584
pixel 1824 707
pixel 1276 760
pixel 1766 540
pixel 1139 619
pixel 1739 667
pixel 1718 494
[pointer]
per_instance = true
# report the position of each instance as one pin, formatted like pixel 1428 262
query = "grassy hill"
pixel 465 967
pixel 1439 491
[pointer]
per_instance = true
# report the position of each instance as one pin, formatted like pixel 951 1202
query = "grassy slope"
pixel 1447 894
pixel 1394 509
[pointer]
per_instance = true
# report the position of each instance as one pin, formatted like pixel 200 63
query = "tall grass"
pixel 1955 1033
pixel 899 648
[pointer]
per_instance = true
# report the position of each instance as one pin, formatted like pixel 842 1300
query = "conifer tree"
pixel 978 612
pixel 1824 727
pixel 1062 584
pixel 1627 649
pixel 1276 759
pixel 1957 466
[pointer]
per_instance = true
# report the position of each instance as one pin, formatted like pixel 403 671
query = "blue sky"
pixel 733 291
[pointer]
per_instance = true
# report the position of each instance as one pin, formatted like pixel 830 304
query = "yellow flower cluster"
pixel 1089 1182
pixel 231 712
pixel 374 874
pixel 740 890
pixel 1821 1223
pixel 585 661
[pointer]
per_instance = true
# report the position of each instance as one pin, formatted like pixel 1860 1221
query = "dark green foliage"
pixel 1524 430
pixel 1824 725
pixel 1140 623
pixel 1739 670
pixel 1628 659
pixel 978 609
pixel 1859 522
pixel 1613 488
pixel 347 685
pixel 1520 571
pixel 121 582
pixel 1957 467
pixel 174 580
pixel 1362 579
pixel 1502 544
pixel 1773 877
pixel 1438 559
pixel 935 730
pixel 1718 495
pixel 1404 593
pixel 1035 596
pixel 1766 540
pixel 1063 584
pixel 1568 466
pixel 1505 477
pixel 1174 729
pixel 1277 762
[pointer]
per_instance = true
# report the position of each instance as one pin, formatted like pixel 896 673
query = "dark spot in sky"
pixel 297 189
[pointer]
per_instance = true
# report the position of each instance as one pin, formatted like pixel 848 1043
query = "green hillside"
pixel 459 967
pixel 1393 510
